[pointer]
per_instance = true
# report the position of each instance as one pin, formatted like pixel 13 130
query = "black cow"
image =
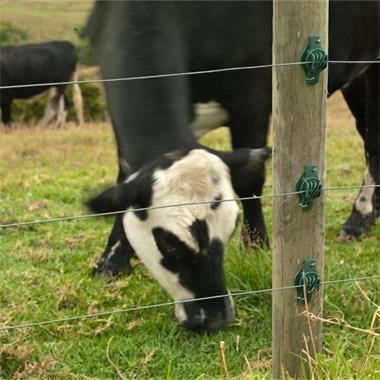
pixel 151 117
pixel 362 97
pixel 48 62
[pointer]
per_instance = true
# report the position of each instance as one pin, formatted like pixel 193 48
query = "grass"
pixel 47 20
pixel 45 273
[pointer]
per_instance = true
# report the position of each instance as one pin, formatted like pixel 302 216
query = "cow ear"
pixel 117 198
pixel 246 165
pixel 247 159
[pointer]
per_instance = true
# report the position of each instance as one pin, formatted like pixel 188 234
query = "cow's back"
pixel 36 63
pixel 146 38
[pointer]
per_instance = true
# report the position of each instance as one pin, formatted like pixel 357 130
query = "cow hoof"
pixel 350 233
pixel 353 231
pixel 356 225
pixel 346 236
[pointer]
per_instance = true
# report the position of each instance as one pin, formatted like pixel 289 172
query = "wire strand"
pixel 171 303
pixel 155 76
pixel 242 199
pixel 352 61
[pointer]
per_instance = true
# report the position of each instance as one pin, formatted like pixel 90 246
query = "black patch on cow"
pixel 199 231
pixel 116 198
pixel 144 181
pixel 170 245
pixel 136 193
pixel 200 273
pixel 169 159
pixel 119 261
pixel 216 248
pixel 142 215
pixel 216 204
pixel 203 275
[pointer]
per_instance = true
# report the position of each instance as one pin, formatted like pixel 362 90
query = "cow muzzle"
pixel 206 315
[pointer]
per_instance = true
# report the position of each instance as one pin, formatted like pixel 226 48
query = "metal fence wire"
pixel 8 328
pixel 186 73
pixel 172 303
pixel 242 199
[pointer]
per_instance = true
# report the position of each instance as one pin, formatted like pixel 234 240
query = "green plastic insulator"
pixel 309 186
pixel 307 281
pixel 314 59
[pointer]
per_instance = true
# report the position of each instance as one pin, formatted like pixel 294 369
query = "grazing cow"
pixel 151 117
pixel 48 62
pixel 183 246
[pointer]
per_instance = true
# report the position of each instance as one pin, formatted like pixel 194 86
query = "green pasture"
pixel 45 273
pixel 46 20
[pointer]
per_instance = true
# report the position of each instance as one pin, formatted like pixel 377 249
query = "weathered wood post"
pixel 299 127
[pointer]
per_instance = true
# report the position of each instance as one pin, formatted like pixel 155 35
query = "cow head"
pixel 182 246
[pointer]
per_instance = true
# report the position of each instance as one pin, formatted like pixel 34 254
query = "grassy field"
pixel 46 20
pixel 45 273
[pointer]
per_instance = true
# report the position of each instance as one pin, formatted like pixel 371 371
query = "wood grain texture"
pixel 299 129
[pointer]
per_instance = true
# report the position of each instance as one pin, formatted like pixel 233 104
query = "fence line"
pixel 171 303
pixel 239 68
pixel 155 76
pixel 77 217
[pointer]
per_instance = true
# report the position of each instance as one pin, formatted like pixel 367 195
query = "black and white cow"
pixel 183 246
pixel 362 97
pixel 152 117
pixel 48 62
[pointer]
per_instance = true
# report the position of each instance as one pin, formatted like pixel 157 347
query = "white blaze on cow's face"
pixel 183 246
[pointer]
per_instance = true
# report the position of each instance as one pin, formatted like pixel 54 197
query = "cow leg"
pixel 6 108
pixel 207 117
pixel 355 97
pixel 249 127
pixel 372 140
pixel 116 258
pixel 117 254
pixel 61 108
pixel 50 109
pixel 78 102
pixel 61 112
pixel 367 204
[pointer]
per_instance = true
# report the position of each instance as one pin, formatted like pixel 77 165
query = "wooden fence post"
pixel 299 127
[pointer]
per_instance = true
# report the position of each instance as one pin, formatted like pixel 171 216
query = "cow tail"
pixel 78 100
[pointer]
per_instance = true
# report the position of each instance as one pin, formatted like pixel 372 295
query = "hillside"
pixel 46 20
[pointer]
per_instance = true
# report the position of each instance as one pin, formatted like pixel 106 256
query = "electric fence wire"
pixel 164 304
pixel 119 311
pixel 169 75
pixel 242 199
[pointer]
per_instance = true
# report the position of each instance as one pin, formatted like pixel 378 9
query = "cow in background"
pixel 49 62
pixel 151 117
